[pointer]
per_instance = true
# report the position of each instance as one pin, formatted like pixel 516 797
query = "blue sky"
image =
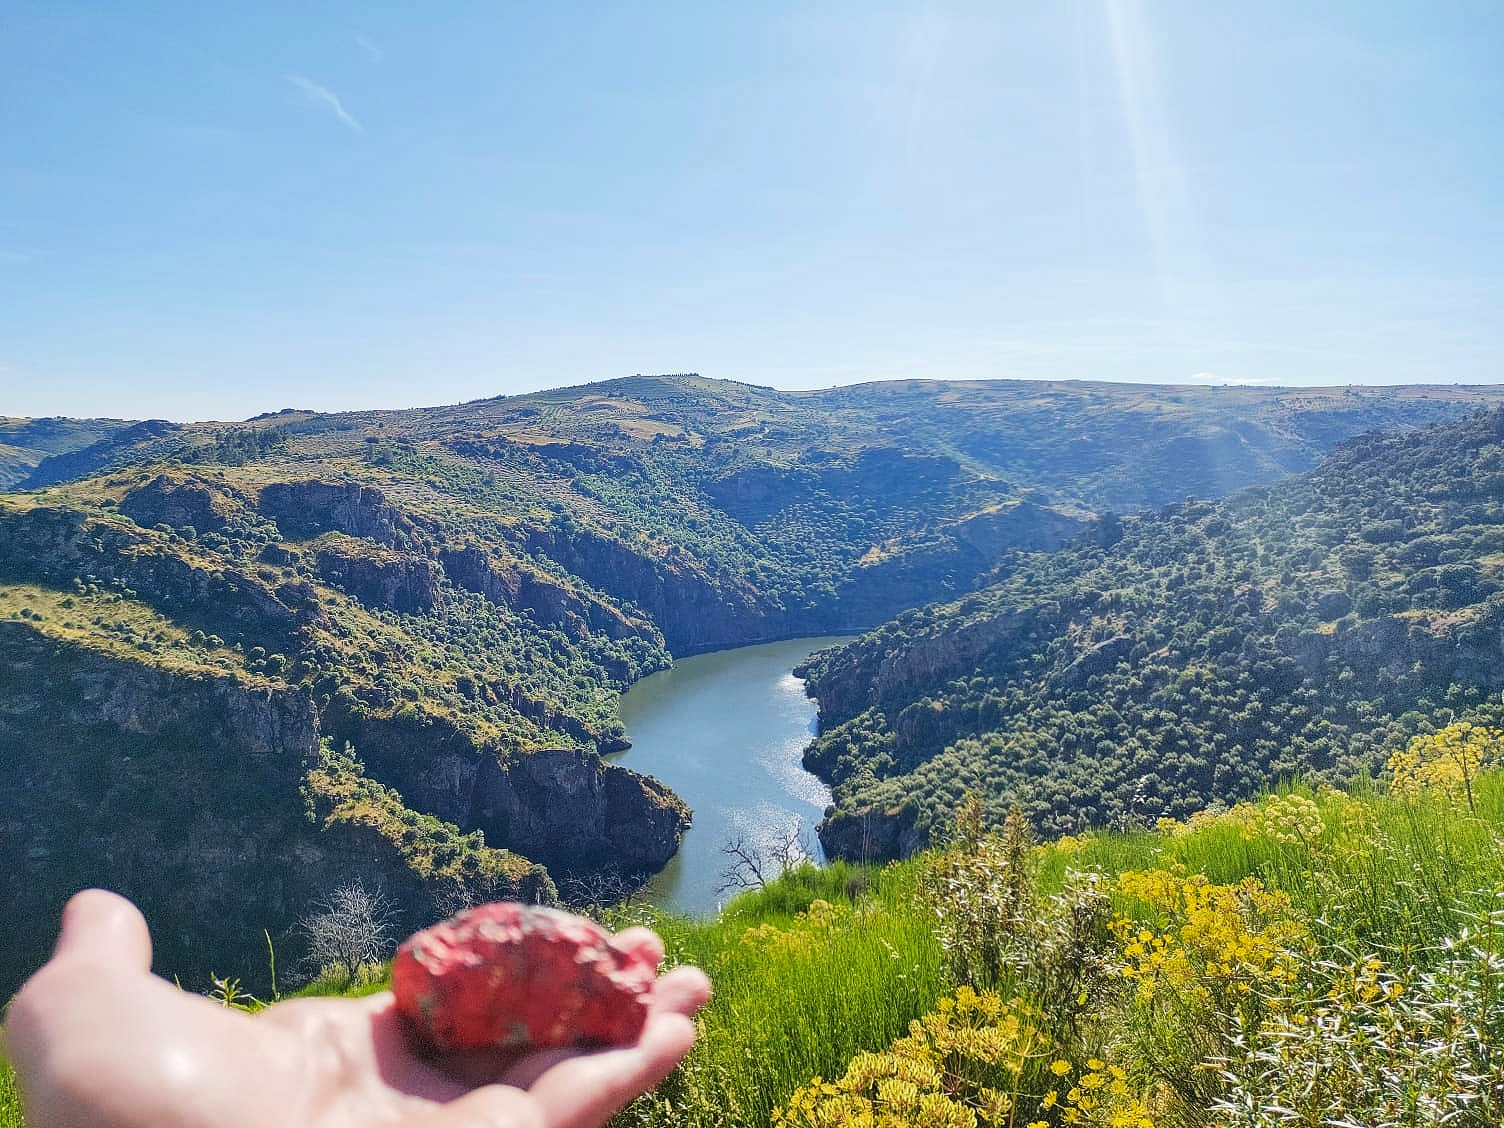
pixel 214 210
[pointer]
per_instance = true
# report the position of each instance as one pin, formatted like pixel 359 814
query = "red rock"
pixel 515 975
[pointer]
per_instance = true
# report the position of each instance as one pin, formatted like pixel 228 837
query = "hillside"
pixel 1169 661
pixel 242 664
pixel 25 444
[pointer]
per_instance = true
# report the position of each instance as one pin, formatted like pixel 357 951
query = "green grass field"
pixel 1354 940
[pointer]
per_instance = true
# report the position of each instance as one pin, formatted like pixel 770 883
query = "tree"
pixel 349 930
pixel 751 864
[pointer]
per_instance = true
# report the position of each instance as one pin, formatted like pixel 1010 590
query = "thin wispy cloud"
pixel 328 97
pixel 376 53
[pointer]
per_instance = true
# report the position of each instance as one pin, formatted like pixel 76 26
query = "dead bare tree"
pixel 752 864
pixel 350 930
pixel 599 889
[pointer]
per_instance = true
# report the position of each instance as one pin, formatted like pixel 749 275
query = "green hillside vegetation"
pixel 67 447
pixel 1312 957
pixel 452 600
pixel 1185 657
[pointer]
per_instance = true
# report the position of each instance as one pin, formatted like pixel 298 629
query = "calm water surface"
pixel 726 732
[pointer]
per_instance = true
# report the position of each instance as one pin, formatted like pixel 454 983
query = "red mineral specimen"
pixel 514 975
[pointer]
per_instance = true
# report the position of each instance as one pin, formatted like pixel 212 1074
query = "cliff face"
pixel 184 503
pixel 188 793
pixel 305 509
pixel 694 609
pixel 379 577
pixel 515 584
pixel 886 669
pixel 574 812
pixel 566 808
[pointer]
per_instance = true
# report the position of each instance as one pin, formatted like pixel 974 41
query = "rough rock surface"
pixel 515 584
pixel 183 791
pixel 695 610
pixel 565 807
pixel 306 509
pixel 379 577
pixel 182 504
pixel 512 975
pixel 570 809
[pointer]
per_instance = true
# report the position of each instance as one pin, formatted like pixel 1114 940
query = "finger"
pixel 642 943
pixel 683 990
pixel 493 1106
pixel 584 1091
pixel 102 927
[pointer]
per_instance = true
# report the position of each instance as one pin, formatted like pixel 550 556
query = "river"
pixel 726 731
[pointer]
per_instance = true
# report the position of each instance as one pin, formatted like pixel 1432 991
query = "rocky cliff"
pixel 182 790
pixel 695 608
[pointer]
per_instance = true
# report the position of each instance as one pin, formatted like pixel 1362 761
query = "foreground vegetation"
pixel 1318 957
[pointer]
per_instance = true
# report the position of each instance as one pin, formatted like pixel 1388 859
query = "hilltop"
pixel 242 664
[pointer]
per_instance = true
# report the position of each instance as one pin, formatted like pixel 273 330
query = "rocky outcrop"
pixel 1018 525
pixel 180 792
pixel 1465 648
pixel 871 834
pixel 752 493
pixel 567 808
pixel 572 811
pixel 183 504
pixel 379 577
pixel 523 587
pixel 61 546
pixel 188 792
pixel 892 667
pixel 305 509
pixel 695 610
pixel 1098 659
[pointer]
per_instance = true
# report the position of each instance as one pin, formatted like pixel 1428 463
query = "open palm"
pixel 97 1040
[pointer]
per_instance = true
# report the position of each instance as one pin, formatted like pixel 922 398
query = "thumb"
pixel 104 928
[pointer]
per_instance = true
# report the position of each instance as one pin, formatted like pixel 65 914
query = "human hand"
pixel 98 1041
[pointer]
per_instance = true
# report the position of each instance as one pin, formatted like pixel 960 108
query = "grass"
pixel 798 992
pixel 1382 910
pixel 10 1099
pixel 121 628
